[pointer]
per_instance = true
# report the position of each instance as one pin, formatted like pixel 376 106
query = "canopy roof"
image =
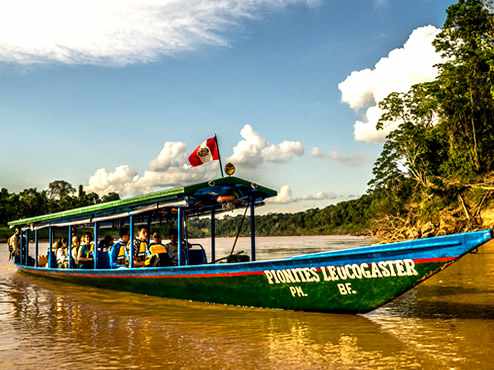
pixel 197 199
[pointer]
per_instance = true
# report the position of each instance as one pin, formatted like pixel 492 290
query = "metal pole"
pixel 131 235
pixel 69 246
pixel 50 237
pixel 179 236
pixel 149 229
pixel 95 252
pixel 219 155
pixel 36 243
pixel 186 240
pixel 213 236
pixel 27 248
pixel 252 229
pixel 21 248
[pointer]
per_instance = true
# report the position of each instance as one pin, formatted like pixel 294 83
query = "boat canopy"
pixel 195 199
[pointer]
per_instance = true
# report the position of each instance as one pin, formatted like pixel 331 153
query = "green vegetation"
pixel 435 174
pixel 59 196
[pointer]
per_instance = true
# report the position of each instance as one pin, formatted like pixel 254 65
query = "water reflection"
pixel 448 322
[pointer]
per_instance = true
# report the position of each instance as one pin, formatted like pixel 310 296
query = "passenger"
pixel 105 245
pixel 103 251
pixel 158 254
pixel 118 251
pixel 172 246
pixel 76 244
pixel 85 254
pixel 14 245
pixel 141 247
pixel 61 254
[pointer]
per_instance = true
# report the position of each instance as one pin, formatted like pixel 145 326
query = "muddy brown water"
pixel 447 322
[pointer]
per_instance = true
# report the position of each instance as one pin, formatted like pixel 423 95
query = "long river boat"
pixel 354 280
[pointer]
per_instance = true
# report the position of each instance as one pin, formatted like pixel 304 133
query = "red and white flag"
pixel 207 151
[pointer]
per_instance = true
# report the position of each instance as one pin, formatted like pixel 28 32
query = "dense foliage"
pixel 59 196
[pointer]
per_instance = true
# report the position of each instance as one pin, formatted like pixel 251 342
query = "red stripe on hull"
pixel 203 275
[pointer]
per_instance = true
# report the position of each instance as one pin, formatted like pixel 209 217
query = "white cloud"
pixel 172 154
pixel 118 180
pixel 170 166
pixel 118 32
pixel 345 159
pixel 167 169
pixel 285 196
pixel 254 149
pixel 401 69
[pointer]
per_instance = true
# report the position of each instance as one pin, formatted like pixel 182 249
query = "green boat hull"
pixel 347 281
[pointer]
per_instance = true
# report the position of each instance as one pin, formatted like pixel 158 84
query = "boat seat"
pixel 197 257
pixel 52 260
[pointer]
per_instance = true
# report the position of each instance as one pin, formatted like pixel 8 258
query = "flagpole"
pixel 219 155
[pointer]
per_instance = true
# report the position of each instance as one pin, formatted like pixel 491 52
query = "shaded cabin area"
pixel 166 212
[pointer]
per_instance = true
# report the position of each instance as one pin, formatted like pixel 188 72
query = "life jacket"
pixel 157 253
pixel 140 250
pixel 157 248
pixel 87 250
pixel 117 252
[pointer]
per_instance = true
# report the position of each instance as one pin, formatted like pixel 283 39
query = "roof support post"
pixel 26 255
pixel 50 240
pixel 150 218
pixel 213 236
pixel 252 228
pixel 131 241
pixel 21 248
pixel 36 244
pixel 69 247
pixel 179 236
pixel 95 251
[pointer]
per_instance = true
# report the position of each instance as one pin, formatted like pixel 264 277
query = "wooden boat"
pixel 355 280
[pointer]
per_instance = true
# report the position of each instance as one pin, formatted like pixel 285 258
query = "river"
pixel 447 322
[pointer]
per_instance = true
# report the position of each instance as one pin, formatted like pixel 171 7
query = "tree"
pixel 58 190
pixel 110 197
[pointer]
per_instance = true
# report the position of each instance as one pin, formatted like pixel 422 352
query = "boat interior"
pixel 166 213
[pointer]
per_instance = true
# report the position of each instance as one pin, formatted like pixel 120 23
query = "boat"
pixel 354 280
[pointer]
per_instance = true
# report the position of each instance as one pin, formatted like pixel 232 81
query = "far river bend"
pixel 447 322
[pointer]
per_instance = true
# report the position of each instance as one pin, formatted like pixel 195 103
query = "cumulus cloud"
pixel 167 169
pixel 398 71
pixel 285 196
pixel 118 32
pixel 254 149
pixel 170 166
pixel 345 159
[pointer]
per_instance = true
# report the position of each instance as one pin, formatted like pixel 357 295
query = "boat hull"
pixel 349 281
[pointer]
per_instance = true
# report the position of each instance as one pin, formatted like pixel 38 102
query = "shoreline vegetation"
pixel 435 175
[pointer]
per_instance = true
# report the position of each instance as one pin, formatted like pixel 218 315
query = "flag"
pixel 207 151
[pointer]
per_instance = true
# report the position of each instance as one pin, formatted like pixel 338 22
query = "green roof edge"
pixel 158 195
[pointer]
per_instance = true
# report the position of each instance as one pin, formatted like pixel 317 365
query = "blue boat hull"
pixel 354 280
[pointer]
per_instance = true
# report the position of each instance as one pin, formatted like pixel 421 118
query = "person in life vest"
pixel 157 253
pixel 118 251
pixel 14 245
pixel 172 246
pixel 61 253
pixel 141 247
pixel 103 252
pixel 76 244
pixel 86 250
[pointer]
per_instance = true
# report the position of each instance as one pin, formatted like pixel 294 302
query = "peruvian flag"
pixel 207 151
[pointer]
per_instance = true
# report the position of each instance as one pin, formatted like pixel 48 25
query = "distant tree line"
pixel 59 196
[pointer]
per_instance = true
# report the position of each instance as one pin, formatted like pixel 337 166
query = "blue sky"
pixel 278 69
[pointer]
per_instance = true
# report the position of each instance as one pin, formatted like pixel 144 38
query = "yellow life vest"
pixel 157 248
pixel 140 250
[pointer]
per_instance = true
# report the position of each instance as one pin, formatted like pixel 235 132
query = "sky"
pixel 114 95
